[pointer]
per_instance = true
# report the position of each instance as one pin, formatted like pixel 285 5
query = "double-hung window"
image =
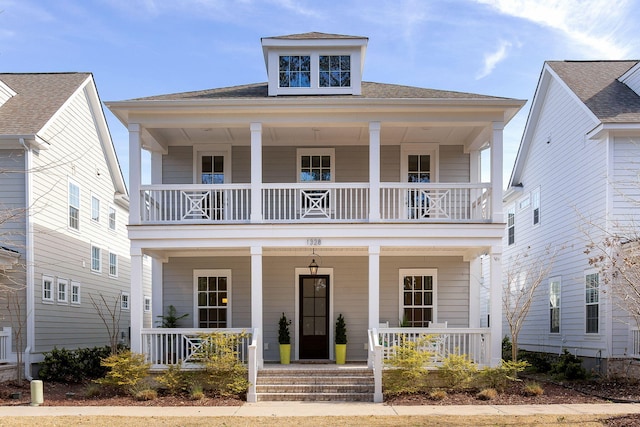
pixel 63 290
pixel 554 305
pixel 75 293
pixel 74 205
pixel 112 218
pixel 124 301
pixel 418 297
pixel 47 289
pixel 511 225
pixel 535 205
pixel 95 209
pixel 592 303
pixel 213 298
pixel 113 264
pixel 96 259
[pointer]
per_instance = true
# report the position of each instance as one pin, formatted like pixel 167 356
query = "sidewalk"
pixel 310 409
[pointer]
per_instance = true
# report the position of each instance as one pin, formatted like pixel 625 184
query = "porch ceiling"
pixel 319 135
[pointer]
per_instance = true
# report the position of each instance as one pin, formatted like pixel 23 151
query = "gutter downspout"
pixel 31 326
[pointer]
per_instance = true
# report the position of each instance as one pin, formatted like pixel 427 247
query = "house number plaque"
pixel 314 242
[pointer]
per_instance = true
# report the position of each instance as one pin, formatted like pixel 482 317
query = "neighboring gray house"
pixel 378 184
pixel 576 179
pixel 63 214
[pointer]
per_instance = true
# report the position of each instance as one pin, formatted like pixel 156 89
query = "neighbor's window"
pixel 62 290
pixel 335 71
pixel 147 304
pixel 511 225
pixel 535 203
pixel 95 209
pixel 592 301
pixel 112 218
pixel 47 289
pixel 418 297
pixel 124 301
pixel 213 288
pixel 554 305
pixel 75 293
pixel 74 206
pixel 96 261
pixel 113 264
pixel 295 71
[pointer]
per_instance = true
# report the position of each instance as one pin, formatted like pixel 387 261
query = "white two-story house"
pixel 575 181
pixel 63 214
pixel 378 184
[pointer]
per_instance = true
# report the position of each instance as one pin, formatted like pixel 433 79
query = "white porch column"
pixel 496 172
pixel 136 298
pixel 256 296
pixel 374 286
pixel 475 172
pixel 156 290
pixel 374 171
pixel 495 305
pixel 475 276
pixel 135 172
pixel 256 172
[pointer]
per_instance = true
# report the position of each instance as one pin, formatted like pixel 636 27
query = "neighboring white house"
pixel 575 178
pixel 63 215
pixel 379 184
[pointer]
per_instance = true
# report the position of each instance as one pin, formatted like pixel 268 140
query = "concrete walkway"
pixel 310 409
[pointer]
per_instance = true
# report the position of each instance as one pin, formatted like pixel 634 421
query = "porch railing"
pixel 442 202
pixel 315 202
pixel 180 346
pixel 5 345
pixel 635 342
pixel 195 203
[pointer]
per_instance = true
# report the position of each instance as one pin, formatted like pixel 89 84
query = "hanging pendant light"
pixel 313 267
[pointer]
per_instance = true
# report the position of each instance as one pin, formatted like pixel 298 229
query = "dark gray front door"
pixel 314 317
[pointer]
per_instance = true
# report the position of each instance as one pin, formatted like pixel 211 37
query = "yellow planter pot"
pixel 285 354
pixel 341 354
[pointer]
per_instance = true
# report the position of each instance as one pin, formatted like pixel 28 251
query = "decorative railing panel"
pixel 423 202
pixel 315 202
pixel 168 346
pixel 195 203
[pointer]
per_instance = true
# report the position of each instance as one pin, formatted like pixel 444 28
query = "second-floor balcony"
pixel 315 202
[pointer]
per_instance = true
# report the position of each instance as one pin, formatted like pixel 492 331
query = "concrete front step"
pixel 326 383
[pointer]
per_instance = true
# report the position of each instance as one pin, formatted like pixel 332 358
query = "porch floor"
pixel 313 365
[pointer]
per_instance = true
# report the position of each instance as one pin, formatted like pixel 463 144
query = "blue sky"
pixel 140 48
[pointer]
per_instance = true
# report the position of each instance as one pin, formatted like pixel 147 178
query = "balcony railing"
pixel 315 202
pixel 5 345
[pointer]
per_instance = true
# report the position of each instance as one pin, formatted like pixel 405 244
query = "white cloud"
pixel 597 27
pixel 492 59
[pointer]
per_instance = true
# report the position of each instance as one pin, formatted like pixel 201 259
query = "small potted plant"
pixel 341 341
pixel 284 339
pixel 171 319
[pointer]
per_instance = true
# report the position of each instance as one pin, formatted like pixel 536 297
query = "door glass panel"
pixel 320 326
pixel 212 170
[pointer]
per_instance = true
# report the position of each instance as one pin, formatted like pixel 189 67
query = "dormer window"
pixel 335 70
pixel 314 64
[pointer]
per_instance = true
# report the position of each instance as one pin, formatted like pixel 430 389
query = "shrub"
pixel 533 389
pixel 197 393
pixel 145 393
pixel 225 374
pixel 568 367
pixel 499 377
pixel 73 366
pixel 127 371
pixel 487 394
pixel 175 380
pixel 458 372
pixel 93 390
pixel 506 348
pixel 410 358
pixel 438 395
pixel 540 362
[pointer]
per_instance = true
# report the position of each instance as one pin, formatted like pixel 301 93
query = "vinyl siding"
pixel 177 166
pixel 570 172
pixel 633 81
pixel 76 153
pixel 454 164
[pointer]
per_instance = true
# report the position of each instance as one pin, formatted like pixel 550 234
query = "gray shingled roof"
pixel 369 90
pixel 38 97
pixel 314 36
pixel 596 84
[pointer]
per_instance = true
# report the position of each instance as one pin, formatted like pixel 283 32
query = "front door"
pixel 314 317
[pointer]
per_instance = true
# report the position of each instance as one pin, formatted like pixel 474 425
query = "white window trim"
pixel 52 289
pixel 331 152
pixel 146 304
pixel 433 272
pixel 584 295
pixel 79 207
pixel 124 306
pixel 200 150
pixel 99 270
pixel 511 209
pixel 212 272
pixel 535 206
pixel 65 299
pixel 117 264
pixel 95 198
pixel 77 285
pixel 552 280
pixel 420 149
